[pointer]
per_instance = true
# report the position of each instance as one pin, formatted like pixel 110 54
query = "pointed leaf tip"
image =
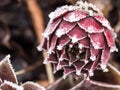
pixel 7 85
pixel 7 71
pixel 32 86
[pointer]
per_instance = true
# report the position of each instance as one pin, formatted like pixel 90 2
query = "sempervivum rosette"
pixel 78 39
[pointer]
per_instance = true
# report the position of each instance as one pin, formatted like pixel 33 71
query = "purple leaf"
pixel 94 53
pixel 87 56
pixel 64 27
pixel 6 70
pixel 53 43
pixel 103 21
pixel 64 63
pixel 85 42
pixel 105 55
pixel 51 58
pixel 77 34
pixel 74 16
pixel 51 27
pixel 43 44
pixel 109 37
pixel 64 54
pixel 97 40
pixel 90 25
pixel 62 41
pixel 32 86
pixel 94 65
pixel 72 58
pixel 79 66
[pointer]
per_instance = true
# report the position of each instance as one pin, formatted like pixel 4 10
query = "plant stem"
pixel 29 68
pixel 38 22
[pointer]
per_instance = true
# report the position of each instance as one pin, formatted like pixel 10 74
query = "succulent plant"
pixel 8 80
pixel 78 39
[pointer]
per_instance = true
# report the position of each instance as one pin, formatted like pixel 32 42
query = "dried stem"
pixel 29 68
pixel 38 23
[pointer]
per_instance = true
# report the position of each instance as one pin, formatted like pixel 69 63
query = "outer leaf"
pixel 75 16
pixel 32 86
pixel 90 25
pixel 10 86
pixel 6 70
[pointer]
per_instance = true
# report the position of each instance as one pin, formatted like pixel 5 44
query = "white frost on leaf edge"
pixel 79 5
pixel 104 67
pixel 74 39
pixel 35 84
pixel 39 48
pixel 59 47
pixel 91 73
pixel 7 59
pixel 59 32
pixel 12 85
pixel 93 58
pixel 113 48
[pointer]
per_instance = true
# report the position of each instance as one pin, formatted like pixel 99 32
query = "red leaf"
pixel 90 25
pixel 94 53
pixel 97 40
pixel 105 55
pixel 64 27
pixel 51 27
pixel 85 42
pixel 74 16
pixel 109 37
pixel 103 21
pixel 62 41
pixel 79 66
pixel 53 43
pixel 87 56
pixel 77 34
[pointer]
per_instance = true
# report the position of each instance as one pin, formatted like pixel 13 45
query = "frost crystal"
pixel 90 12
pixel 80 46
pixel 114 49
pixel 59 47
pixel 93 58
pixel 60 32
pixel 91 73
pixel 15 86
pixel 74 39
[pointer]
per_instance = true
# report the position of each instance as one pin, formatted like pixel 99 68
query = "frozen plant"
pixel 78 40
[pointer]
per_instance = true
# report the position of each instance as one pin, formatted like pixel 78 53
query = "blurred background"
pixel 21 24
